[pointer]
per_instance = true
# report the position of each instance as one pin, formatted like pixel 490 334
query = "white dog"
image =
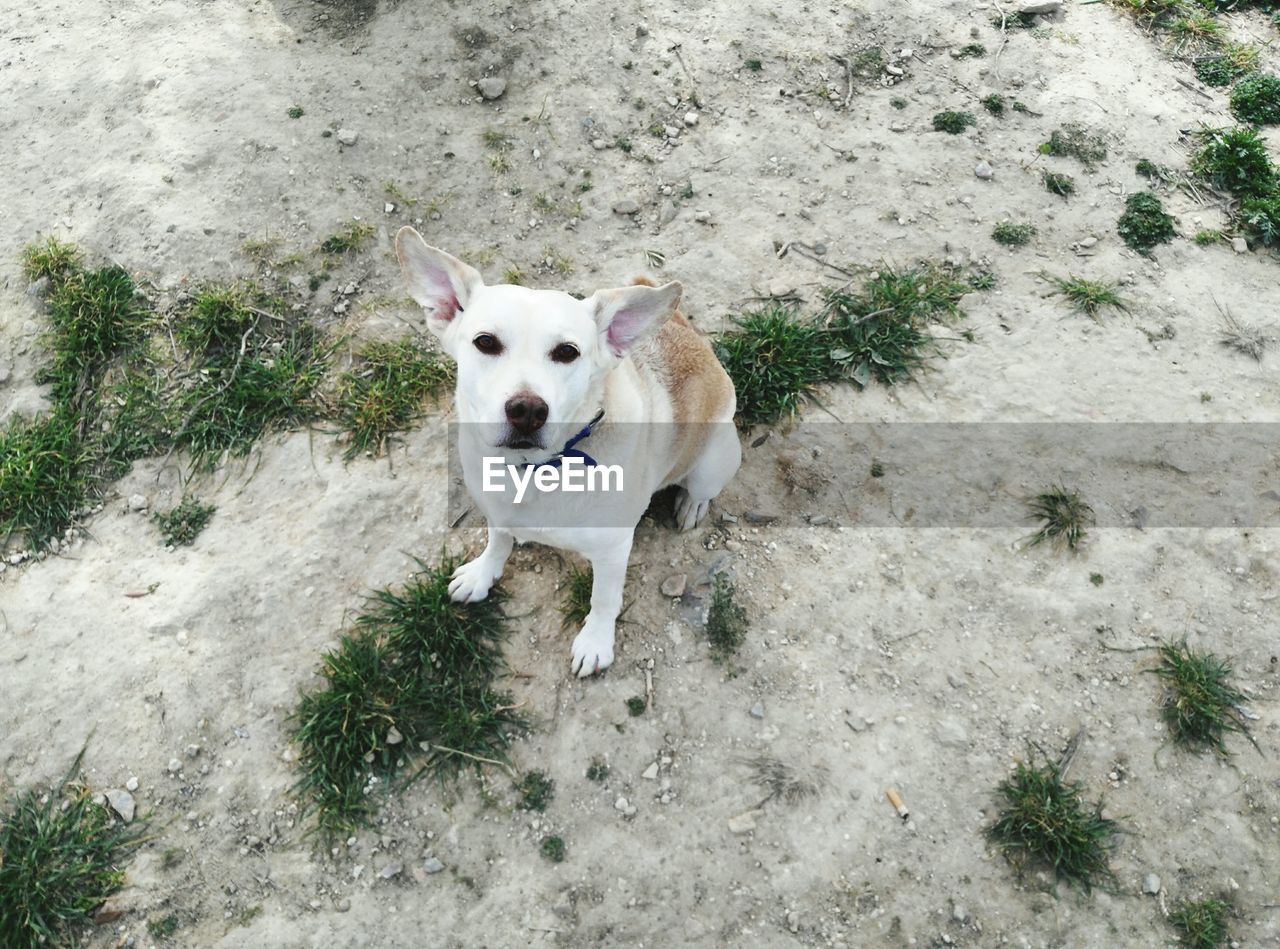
pixel 548 382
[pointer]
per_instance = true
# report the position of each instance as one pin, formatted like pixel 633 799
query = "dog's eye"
pixel 565 352
pixel 488 344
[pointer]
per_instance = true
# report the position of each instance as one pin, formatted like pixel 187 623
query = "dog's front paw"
pixel 472 581
pixel 592 649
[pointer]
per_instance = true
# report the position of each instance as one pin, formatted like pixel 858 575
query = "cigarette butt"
pixel 896 800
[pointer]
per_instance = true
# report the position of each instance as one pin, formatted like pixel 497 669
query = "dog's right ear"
pixel 440 282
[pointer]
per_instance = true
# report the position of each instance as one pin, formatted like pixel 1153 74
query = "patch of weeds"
pixel 268 385
pixel 971 50
pixel 1014 21
pixel 536 791
pixel 1013 235
pixel 1057 183
pixel 95 314
pixel 350 237
pixel 994 103
pixel 1196 30
pixel 162 927
pixel 1256 99
pixel 295 112
pixel 183 524
pixel 497 141
pixel 51 258
pixel 385 392
pixel 396 194
pixel 1207 237
pixel 515 276
pixel 1201 924
pixel 171 857
pixel 1087 296
pixel 217 318
pixel 953 123
pixel 1096 579
pixel 1045 820
pixel 412 682
pixel 1075 141
pixel 1235 160
pixel 636 706
pixel 597 771
pixel 45 477
pixel 898 102
pixel 577 597
pixel 1144 223
pixel 726 620
pixel 553 849
pixel 63 855
pixel 1232 61
pixel 753 65
pixel 1066 518
pixel 623 145
pixel 877 469
pixel 261 249
pixel 1244 338
pixel 776 359
pixel 1261 217
pixel 1200 705
pixel 868 63
pixel 881 332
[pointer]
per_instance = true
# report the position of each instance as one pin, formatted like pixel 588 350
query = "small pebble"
pixel 757 710
pixel 691 119
pixel 138 502
pixel 1240 245
pixel 391 871
pixel 492 87
pixel 348 137
pixel 675 585
pixel 122 803
pixel 702 217
pixel 984 171
pixel 743 823
pixel 175 765
pixel 1151 884
pixel 625 206
pixel 131 784
pixel 651 772
pixel 432 865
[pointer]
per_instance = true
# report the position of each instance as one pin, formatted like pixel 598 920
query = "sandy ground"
pixel 155 134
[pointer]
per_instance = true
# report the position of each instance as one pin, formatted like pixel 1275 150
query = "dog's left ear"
pixel 630 315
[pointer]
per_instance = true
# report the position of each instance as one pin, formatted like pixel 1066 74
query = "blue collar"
pixel 569 451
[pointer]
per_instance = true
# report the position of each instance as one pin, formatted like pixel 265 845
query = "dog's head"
pixel 530 362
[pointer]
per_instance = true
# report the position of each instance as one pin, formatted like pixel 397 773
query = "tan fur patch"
pixel 683 362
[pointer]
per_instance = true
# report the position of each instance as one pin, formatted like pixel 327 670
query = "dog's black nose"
pixel 526 412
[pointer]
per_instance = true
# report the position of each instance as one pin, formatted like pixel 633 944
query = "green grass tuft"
pixel 95 314
pixel 295 112
pixel 1256 99
pixel 597 771
pixel 218 318
pixel 1057 183
pixel 386 392
pixel 1201 924
pixel 754 65
pixel 51 258
pixel 349 238
pixel 61 855
pixel 636 706
pixel 1235 160
pixel 1086 296
pixel 1045 820
pixel 1144 223
pixel 553 849
pixel 1199 704
pixel 45 478
pixel 162 927
pixel 953 123
pixel 577 597
pixel 412 682
pixel 1207 237
pixel 994 103
pixel 536 791
pixel 776 359
pixel 1013 235
pixel 183 524
pixel 1066 517
pixel 726 620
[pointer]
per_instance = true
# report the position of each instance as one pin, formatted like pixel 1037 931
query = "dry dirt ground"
pixel 156 135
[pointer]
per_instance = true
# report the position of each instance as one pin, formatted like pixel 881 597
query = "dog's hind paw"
pixel 592 649
pixel 471 582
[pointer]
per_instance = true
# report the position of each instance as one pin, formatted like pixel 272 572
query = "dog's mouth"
pixel 520 443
